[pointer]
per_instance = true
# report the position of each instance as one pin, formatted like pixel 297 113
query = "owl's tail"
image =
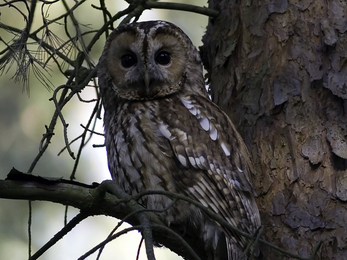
pixel 235 252
pixel 222 246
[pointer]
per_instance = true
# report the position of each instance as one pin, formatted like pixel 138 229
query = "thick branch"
pixel 98 200
pixel 94 200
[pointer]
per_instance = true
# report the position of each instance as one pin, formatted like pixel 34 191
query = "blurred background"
pixel 24 114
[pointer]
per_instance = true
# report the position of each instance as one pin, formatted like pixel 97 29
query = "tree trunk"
pixel 278 69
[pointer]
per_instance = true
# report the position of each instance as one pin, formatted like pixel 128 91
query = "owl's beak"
pixel 147 81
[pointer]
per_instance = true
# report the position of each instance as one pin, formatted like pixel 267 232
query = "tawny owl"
pixel 164 133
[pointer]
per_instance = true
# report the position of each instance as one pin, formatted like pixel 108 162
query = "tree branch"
pixel 95 200
pixel 107 199
pixel 182 7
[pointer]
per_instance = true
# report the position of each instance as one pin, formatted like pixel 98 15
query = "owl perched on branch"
pixel 164 133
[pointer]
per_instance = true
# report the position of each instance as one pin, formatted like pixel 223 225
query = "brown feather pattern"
pixel 175 139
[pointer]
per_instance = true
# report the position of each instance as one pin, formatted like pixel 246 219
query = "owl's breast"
pixel 139 157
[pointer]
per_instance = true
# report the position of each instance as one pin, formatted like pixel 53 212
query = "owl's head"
pixel 148 60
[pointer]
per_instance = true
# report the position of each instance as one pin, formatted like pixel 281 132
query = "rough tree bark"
pixel 278 68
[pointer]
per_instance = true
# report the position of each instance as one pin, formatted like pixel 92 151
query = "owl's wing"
pixel 215 162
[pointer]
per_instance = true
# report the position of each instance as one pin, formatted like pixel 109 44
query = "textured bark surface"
pixel 278 68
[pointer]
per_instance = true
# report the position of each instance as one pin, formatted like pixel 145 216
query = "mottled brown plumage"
pixel 164 133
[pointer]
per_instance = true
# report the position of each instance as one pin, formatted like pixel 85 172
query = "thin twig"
pixel 91 131
pixel 59 17
pixel 83 139
pixel 182 7
pixel 29 227
pixel 254 240
pixel 45 141
pixel 139 249
pixel 103 243
pixel 60 114
pixel 185 245
pixel 105 27
pixel 147 235
pixel 31 14
pixel 66 229
pixel 38 40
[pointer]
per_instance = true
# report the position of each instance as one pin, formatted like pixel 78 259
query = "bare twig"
pixel 182 7
pixel 65 125
pixel 103 243
pixel 29 227
pixel 66 229
pixel 139 249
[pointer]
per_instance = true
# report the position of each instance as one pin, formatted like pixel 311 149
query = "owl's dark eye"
pixel 163 58
pixel 128 60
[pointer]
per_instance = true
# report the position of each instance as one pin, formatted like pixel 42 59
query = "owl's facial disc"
pixel 148 65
